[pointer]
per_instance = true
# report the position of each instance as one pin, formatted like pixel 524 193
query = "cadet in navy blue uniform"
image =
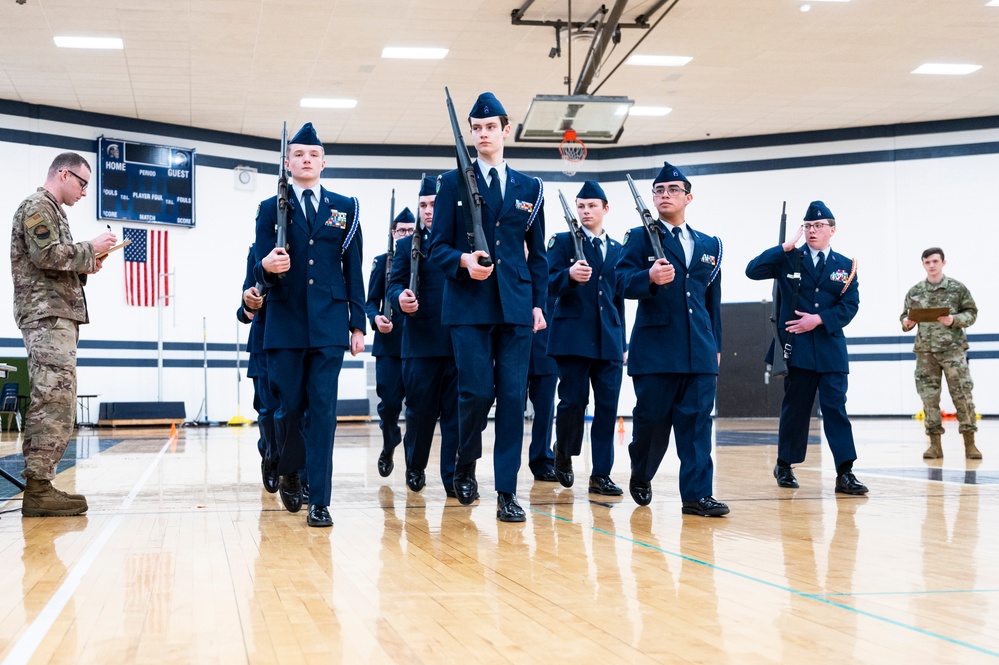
pixel 492 310
pixel 252 311
pixel 675 346
pixel 587 340
pixel 388 347
pixel 315 312
pixel 819 297
pixel 428 367
pixel 542 379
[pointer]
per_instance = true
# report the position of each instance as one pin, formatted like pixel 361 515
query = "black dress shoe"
pixel 452 495
pixel 507 508
pixel 305 492
pixel 291 492
pixel 319 516
pixel 706 507
pixel 466 488
pixel 847 483
pixel 604 485
pixel 269 475
pixel 416 479
pixel 546 476
pixel 785 476
pixel 563 469
pixel 385 463
pixel 640 492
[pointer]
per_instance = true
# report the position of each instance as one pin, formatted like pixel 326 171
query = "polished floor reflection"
pixel 183 558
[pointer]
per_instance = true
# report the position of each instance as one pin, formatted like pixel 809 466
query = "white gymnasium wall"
pixel 887 211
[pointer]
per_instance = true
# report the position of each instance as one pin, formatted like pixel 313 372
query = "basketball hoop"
pixel 573 151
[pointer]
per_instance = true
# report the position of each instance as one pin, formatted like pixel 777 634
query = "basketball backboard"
pixel 594 119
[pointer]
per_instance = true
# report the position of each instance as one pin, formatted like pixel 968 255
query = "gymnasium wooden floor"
pixel 183 558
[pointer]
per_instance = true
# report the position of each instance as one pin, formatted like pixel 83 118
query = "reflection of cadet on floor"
pixel 942 350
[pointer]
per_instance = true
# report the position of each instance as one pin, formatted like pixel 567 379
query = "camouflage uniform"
pixel 943 350
pixel 49 306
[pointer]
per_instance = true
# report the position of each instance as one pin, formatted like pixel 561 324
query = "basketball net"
pixel 573 151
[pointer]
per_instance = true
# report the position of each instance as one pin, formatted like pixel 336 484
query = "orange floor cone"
pixel 173 430
pixel 620 431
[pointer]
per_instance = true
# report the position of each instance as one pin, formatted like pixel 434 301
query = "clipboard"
pixel 123 243
pixel 927 314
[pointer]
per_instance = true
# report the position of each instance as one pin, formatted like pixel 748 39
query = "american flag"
pixel 145 259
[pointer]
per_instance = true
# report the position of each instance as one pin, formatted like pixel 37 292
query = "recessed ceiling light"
pixel 658 60
pixel 652 111
pixel 949 70
pixel 327 103
pixel 89 42
pixel 829 0
pixel 407 53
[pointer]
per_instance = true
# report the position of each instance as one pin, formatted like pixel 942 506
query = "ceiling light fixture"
pixel 327 103
pixel 112 43
pixel 658 60
pixel 414 53
pixel 946 70
pixel 649 111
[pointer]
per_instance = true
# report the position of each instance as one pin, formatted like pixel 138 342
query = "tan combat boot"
pixel 934 451
pixel 970 450
pixel 41 499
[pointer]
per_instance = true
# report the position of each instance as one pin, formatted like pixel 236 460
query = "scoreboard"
pixel 141 182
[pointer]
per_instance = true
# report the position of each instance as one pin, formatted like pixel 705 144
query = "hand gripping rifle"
pixel 575 230
pixel 389 255
pixel 782 353
pixel 415 255
pixel 282 195
pixel 471 199
pixel 650 224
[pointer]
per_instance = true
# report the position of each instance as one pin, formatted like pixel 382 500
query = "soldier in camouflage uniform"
pixel 49 271
pixel 942 349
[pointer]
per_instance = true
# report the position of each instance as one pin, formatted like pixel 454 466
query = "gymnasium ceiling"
pixel 759 66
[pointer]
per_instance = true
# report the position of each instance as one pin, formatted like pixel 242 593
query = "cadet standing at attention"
pixel 428 368
pixel 819 297
pixel 49 271
pixel 675 346
pixel 315 312
pixel 587 340
pixel 387 347
pixel 942 349
pixel 492 311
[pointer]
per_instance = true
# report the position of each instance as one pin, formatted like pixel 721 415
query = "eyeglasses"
pixel 83 183
pixel 672 190
pixel 403 232
pixel 816 226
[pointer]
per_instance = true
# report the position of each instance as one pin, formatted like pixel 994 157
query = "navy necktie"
pixel 310 208
pixel 495 193
pixel 820 264
pixel 679 245
pixel 599 259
